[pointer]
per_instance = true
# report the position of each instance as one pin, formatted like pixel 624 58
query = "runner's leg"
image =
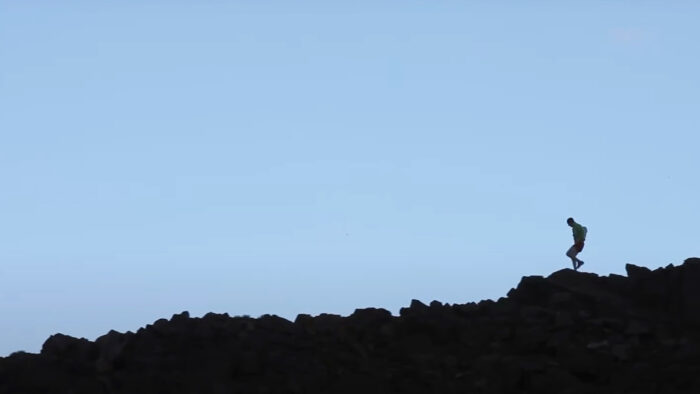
pixel 571 253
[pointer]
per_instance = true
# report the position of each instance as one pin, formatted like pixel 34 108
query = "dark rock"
pixel 531 338
pixel 110 347
pixel 416 308
pixel 597 345
pixel 435 304
pixel 274 323
pixel 621 351
pixel 563 319
pixel 553 380
pixel 637 327
pixel 634 272
pixel 561 298
pixel 64 346
pixel 326 322
pixel 568 333
pixel 534 312
pixel 184 316
pixel 369 316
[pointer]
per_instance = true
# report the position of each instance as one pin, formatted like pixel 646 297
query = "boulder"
pixel 635 272
pixel 65 346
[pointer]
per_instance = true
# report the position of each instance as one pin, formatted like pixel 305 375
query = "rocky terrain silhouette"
pixel 571 332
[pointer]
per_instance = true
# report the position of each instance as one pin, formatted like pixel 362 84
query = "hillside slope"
pixel 571 332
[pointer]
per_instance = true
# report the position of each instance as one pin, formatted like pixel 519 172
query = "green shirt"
pixel 579 232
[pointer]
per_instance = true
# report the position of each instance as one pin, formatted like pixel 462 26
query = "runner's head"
pixel 570 221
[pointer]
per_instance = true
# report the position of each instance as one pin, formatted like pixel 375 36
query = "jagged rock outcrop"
pixel 570 332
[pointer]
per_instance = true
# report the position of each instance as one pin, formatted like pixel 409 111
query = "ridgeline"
pixel 568 333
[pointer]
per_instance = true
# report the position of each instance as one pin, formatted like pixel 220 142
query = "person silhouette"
pixel 579 232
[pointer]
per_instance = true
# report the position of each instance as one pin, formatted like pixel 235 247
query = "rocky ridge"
pixel 571 332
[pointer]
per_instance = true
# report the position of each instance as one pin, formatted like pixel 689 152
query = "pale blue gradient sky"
pixel 308 157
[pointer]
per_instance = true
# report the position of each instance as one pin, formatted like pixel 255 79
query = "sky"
pixel 279 157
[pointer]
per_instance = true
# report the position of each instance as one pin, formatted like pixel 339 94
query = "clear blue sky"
pixel 305 157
